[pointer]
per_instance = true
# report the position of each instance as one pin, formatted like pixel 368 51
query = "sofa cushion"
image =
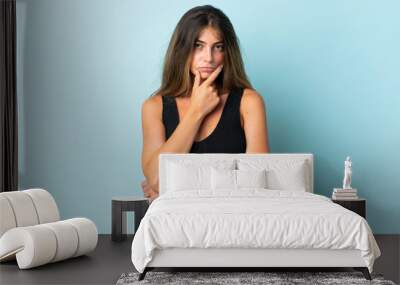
pixel 40 244
pixel 27 208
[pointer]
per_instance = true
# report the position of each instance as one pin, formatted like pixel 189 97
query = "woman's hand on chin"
pixel 204 97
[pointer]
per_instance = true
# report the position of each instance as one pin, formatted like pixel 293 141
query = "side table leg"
pixel 140 211
pixel 118 230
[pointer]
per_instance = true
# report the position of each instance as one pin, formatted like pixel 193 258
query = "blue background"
pixel 328 72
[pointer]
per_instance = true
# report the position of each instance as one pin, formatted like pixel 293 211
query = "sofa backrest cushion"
pixel 26 208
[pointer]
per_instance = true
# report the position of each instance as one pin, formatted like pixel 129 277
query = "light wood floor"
pixel 111 259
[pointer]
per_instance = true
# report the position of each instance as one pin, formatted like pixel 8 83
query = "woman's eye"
pixel 220 47
pixel 197 45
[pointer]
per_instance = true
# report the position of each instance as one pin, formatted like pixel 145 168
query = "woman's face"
pixel 208 53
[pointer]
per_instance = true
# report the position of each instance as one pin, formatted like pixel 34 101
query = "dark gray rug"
pixel 230 278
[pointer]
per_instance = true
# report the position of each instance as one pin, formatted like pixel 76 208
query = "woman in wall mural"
pixel 205 103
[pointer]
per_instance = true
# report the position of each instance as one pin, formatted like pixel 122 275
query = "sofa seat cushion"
pixel 51 242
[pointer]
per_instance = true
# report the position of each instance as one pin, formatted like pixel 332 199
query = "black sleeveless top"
pixel 227 137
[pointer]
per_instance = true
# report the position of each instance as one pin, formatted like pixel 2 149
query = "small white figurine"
pixel 347 173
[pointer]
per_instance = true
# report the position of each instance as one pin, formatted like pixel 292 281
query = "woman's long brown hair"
pixel 177 79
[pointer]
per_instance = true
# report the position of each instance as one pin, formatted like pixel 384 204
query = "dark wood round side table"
pixel 121 205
